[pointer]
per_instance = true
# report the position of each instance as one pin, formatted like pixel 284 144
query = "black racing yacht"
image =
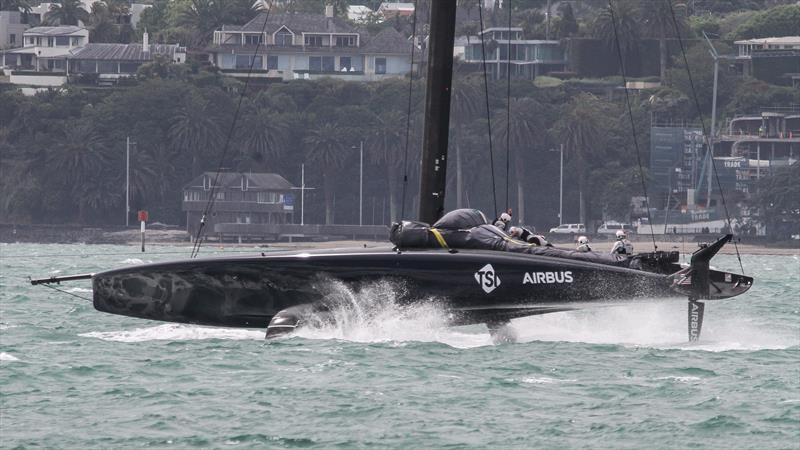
pixel 470 267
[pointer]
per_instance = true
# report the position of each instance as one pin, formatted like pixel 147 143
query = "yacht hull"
pixel 476 285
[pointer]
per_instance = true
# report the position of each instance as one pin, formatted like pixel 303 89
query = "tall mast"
pixel 437 110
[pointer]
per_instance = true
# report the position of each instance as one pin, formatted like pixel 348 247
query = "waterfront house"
pixel 774 59
pixel 529 57
pixel 240 198
pixel 53 56
pixel 12 27
pixel 389 10
pixel 309 46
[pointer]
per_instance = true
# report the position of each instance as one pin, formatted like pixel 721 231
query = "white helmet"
pixel 515 232
pixel 505 217
pixel 621 235
pixel 583 240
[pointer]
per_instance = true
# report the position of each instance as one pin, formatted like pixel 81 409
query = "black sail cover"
pixel 469 229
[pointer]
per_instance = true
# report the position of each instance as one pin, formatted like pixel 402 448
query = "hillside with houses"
pixel 112 103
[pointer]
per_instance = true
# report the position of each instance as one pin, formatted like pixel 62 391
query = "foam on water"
pixel 175 332
pixel 373 314
pixel 657 325
pixel 6 357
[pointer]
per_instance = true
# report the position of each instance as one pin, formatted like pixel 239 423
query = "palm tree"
pixel 327 148
pixel 657 20
pixel 193 130
pixel 264 133
pixel 581 130
pixel 385 148
pixel 523 130
pixel 15 5
pixel 67 12
pixel 80 155
pixel 464 105
pixel 102 25
pixel 627 28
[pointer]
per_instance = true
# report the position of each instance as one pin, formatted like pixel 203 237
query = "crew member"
pixel 503 222
pixel 524 234
pixel 623 246
pixel 583 244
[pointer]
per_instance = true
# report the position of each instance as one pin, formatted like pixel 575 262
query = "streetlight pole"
pixel 361 185
pixel 561 187
pixel 560 183
pixel 302 193
pixel 127 179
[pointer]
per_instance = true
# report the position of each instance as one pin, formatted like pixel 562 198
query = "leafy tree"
pixel 777 199
pixel 779 21
pixel 702 69
pixel 567 25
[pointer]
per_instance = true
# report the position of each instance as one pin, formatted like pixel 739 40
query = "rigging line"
pixel 488 113
pixel 66 292
pixel 136 253
pixel 508 103
pixel 633 125
pixel 703 125
pixel 198 241
pixel 408 112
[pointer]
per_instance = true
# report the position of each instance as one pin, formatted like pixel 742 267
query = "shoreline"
pixel 684 247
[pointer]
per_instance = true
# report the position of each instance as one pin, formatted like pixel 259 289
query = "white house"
pixel 54 56
pixel 359 13
pixel 309 46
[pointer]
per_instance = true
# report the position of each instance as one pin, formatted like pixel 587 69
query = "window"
pixel 31 40
pixel 76 41
pixel 380 66
pixel 12 38
pixel 192 196
pixel 220 196
pixel 344 62
pixel 244 61
pixel 272 62
pixel 269 197
pixel 254 40
pixel 86 66
pixel 345 41
pixel 107 67
pixel 321 64
pixel 49 42
pixel 128 67
pixel 314 41
pixel 62 41
pixel 283 38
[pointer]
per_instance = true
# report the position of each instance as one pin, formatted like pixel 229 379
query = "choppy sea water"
pixel 621 377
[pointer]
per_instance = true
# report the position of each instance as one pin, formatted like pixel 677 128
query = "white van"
pixel 613 227
pixel 569 228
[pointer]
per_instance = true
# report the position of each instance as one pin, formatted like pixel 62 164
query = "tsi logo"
pixel 487 278
pixel 547 277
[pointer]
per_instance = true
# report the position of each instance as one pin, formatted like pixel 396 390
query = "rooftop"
pixel 54 31
pixel 297 23
pixel 122 52
pixel 783 40
pixel 233 180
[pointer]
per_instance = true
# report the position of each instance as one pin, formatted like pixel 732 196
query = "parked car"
pixel 613 227
pixel 569 228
